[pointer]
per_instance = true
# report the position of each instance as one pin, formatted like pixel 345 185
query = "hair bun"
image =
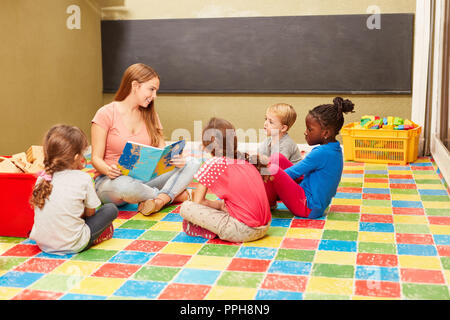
pixel 343 106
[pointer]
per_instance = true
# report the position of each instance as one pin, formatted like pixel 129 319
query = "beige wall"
pixel 247 111
pixel 49 74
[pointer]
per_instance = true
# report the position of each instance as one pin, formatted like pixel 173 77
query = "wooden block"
pixel 19 163
pixel 21 156
pixel 8 167
pixel 35 152
pixel 35 167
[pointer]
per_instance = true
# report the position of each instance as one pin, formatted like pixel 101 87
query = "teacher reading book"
pixel 132 117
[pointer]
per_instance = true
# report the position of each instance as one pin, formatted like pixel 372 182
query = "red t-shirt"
pixel 240 185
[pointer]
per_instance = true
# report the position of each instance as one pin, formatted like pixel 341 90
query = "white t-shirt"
pixel 59 227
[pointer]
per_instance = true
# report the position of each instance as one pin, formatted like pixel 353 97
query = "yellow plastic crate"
pixel 380 146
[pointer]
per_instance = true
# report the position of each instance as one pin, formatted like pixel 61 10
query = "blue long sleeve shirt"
pixel 322 170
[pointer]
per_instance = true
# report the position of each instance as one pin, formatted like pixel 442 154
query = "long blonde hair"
pixel 61 144
pixel 141 73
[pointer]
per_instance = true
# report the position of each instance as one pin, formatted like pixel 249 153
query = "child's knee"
pixel 185 208
pixel 112 210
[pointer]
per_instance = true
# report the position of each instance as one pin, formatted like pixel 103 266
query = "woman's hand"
pixel 113 172
pixel 178 161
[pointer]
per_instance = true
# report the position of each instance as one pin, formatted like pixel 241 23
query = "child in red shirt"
pixel 243 214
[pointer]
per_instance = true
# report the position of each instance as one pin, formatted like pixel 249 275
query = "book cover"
pixel 144 162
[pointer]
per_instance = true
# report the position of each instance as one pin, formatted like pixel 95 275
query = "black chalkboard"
pixel 289 54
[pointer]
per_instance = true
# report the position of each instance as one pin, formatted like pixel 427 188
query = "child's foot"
pixel 194 230
pixel 106 235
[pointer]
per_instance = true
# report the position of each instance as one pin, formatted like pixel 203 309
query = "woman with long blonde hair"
pixel 132 117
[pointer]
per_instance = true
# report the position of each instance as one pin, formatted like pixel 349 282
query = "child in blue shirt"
pixel 307 187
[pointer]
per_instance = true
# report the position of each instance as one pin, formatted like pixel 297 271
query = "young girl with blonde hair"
pixel 64 198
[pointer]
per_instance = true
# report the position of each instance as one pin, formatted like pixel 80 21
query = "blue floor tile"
pixel 175 217
pixel 73 296
pixel 127 233
pixel 131 257
pixel 276 222
pixel 402 181
pixel 375 171
pixel 183 237
pixel 197 276
pixel 426 192
pixel 290 267
pixel 352 175
pixel 442 239
pixel 376 273
pixel 376 190
pixel 399 168
pixel 129 207
pixel 421 164
pixel 19 279
pixel 338 245
pixel 278 295
pixel 256 253
pixel 406 204
pixel 347 195
pixel 55 256
pixel 376 227
pixel 140 289
pixel 416 250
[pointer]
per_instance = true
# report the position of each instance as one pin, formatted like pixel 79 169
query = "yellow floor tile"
pixel 118 222
pixel 231 293
pixel 447 276
pixel 77 268
pixel 436 204
pixel 399 171
pixel 168 226
pixel 98 286
pixel 304 233
pixel 113 244
pixel 376 210
pixel 334 257
pixel 208 262
pixel 383 237
pixel 157 216
pixel 416 262
pixel 373 298
pixel 341 225
pixel 267 241
pixel 6 246
pixel 330 285
pixel 427 176
pixel 431 186
pixel 410 219
pixel 7 293
pixel 376 185
pixel 406 197
pixel 350 202
pixel 181 248
pixel 438 229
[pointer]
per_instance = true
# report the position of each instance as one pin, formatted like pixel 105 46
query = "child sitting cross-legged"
pixel 243 214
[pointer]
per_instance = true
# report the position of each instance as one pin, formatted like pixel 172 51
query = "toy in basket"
pixel 381 140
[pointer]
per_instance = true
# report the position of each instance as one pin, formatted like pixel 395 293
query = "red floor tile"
pixel 376 196
pixel 176 210
pixel 345 208
pixel 354 164
pixel 414 238
pixel 23 250
pixel 37 295
pixel 419 168
pixel 349 190
pixel 380 289
pixel 376 180
pixel 382 218
pixel 285 282
pixel 307 223
pixel 39 265
pixel 146 246
pixel 252 265
pixel 219 241
pixel 373 259
pixel 177 291
pixel 422 276
pixel 444 251
pixel 169 260
pixel 361 171
pixel 116 270
pixel 402 186
pixel 304 244
pixel 409 211
pixel 443 221
pixel 401 176
pixel 126 214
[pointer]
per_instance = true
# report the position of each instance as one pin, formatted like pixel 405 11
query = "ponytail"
pixel 332 115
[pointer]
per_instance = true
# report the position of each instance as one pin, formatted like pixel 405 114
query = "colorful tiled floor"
pixel 386 236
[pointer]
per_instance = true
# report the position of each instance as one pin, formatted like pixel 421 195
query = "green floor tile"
pixel 295 255
pixel 425 291
pixel 277 231
pixel 378 176
pixel 318 296
pixel 404 191
pixel 138 224
pixel 351 184
pixel 156 273
pixel 445 262
pixel 377 203
pixel 7 263
pixel 218 250
pixel 437 212
pixel 435 198
pixel 95 255
pixel 157 235
pixel 240 279
pixel 428 181
pixel 11 240
pixel 57 282
pixel 168 209
pixel 340 235
pixel 343 216
pixel 411 228
pixel 333 270
pixel 282 214
pixel 379 248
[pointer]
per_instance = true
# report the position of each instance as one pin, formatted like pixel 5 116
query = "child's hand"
pixel 113 172
pixel 178 161
pixel 267 178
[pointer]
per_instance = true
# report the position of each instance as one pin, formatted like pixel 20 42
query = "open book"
pixel 144 162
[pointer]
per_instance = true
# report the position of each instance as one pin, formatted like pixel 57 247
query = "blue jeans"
pixel 125 189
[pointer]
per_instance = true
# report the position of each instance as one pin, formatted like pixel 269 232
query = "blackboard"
pixel 289 54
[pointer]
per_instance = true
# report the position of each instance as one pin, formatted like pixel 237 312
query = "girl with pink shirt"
pixel 132 117
pixel 243 214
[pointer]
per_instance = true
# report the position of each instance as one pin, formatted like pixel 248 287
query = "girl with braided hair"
pixel 307 187
pixel 64 197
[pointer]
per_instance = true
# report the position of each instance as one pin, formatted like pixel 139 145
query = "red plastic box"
pixel 16 213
